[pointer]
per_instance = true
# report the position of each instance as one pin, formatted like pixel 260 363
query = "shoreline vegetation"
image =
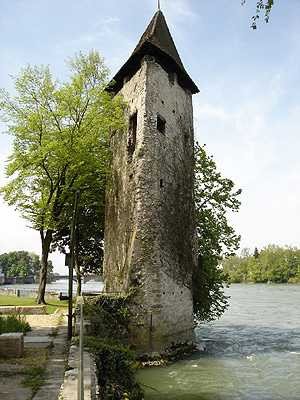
pixel 272 264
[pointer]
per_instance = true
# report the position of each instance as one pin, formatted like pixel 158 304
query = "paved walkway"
pixel 55 367
pixel 48 335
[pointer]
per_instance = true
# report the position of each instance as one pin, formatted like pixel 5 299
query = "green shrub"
pixel 116 369
pixel 13 323
pixel 109 316
pixel 116 366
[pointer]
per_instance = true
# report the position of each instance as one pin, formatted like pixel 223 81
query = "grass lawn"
pixel 52 304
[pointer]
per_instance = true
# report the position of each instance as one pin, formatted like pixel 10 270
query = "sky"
pixel 247 112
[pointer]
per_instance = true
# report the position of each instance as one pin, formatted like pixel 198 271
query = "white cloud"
pixel 258 149
pixel 107 30
pixel 15 234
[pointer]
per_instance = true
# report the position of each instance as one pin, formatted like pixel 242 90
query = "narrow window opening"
pixel 132 134
pixel 171 77
pixel 162 102
pixel 161 183
pixel 161 124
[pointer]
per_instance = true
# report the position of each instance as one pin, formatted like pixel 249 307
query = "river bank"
pixel 251 353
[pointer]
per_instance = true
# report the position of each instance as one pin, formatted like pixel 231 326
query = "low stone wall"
pixel 27 310
pixel 70 385
pixel 11 345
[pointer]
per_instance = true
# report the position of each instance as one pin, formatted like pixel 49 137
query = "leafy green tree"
pixel 60 138
pixel 274 264
pixel 215 197
pixel 21 264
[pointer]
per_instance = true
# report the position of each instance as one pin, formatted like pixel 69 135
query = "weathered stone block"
pixel 11 345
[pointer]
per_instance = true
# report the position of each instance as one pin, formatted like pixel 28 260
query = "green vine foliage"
pixel 215 198
pixel 116 369
pixel 110 316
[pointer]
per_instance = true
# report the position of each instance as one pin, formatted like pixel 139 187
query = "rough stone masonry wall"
pixel 123 194
pixel 150 229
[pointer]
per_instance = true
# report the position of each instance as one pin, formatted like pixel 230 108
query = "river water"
pixel 58 286
pixel 252 352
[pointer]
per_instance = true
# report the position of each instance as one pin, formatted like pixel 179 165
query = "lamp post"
pixel 71 264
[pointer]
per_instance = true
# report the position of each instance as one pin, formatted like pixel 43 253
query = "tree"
pixel 215 197
pixel 60 138
pixel 89 235
pixel 274 264
pixel 264 6
pixel 20 264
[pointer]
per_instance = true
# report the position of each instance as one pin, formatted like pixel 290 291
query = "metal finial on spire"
pixel 158 4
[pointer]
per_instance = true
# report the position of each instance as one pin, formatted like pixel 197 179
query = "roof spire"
pixel 156 41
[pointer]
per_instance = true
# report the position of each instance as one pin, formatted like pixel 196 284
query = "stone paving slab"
pixel 11 388
pixel 7 368
pixel 55 367
pixel 37 341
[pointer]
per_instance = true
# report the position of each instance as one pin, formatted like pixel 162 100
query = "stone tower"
pixel 149 234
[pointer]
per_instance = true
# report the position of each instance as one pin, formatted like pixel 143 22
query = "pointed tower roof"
pixel 156 41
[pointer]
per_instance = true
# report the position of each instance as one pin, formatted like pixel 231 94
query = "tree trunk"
pixel 46 243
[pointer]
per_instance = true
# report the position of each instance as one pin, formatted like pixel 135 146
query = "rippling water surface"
pixel 252 352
